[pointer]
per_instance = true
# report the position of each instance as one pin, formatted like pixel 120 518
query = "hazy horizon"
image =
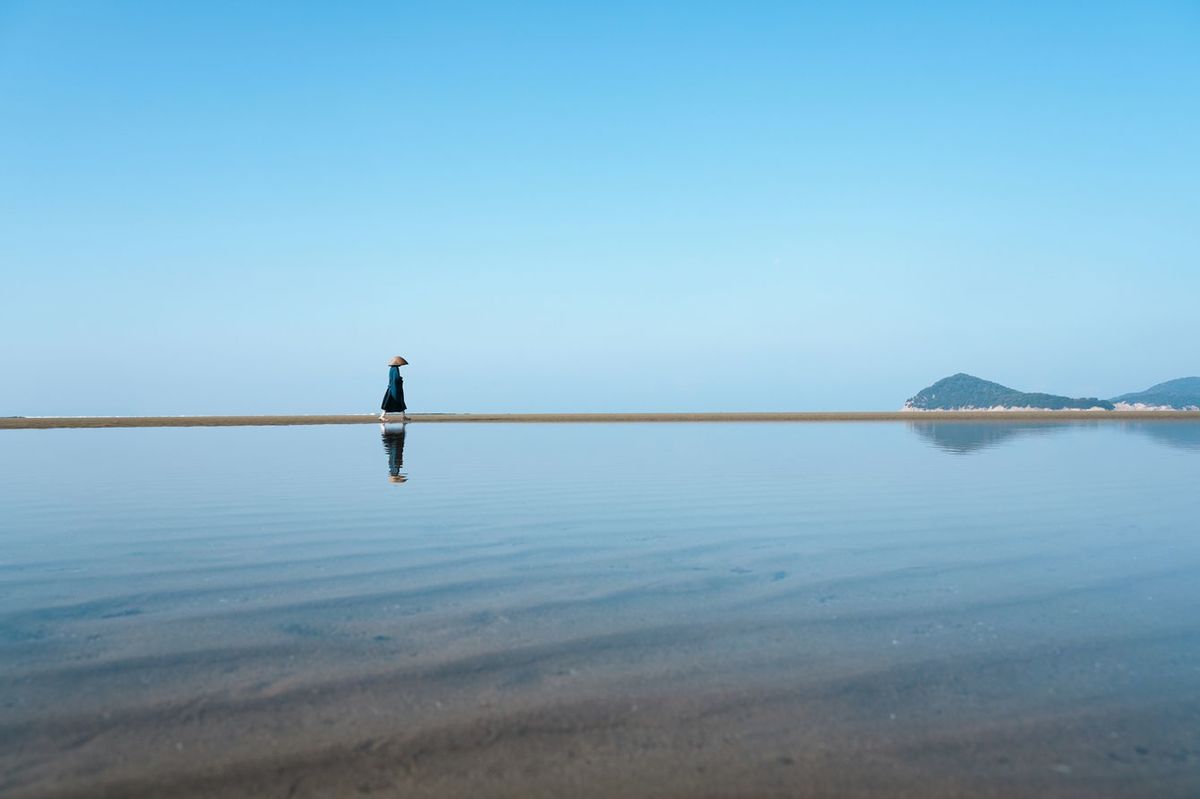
pixel 224 209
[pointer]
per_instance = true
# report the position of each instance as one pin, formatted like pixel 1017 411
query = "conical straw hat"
pixel 397 361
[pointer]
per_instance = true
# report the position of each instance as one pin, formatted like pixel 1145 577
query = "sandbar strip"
pixel 46 422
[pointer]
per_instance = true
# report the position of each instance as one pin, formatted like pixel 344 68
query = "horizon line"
pixel 275 420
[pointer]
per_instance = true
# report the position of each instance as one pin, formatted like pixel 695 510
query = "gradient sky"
pixel 223 207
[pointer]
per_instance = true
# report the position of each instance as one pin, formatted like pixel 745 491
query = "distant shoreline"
pixel 47 422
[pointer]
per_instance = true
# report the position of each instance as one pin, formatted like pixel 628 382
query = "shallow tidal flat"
pixel 919 417
pixel 922 609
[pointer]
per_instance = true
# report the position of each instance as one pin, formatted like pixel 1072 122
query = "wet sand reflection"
pixel 967 437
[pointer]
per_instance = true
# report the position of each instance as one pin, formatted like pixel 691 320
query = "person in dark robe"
pixel 393 442
pixel 393 398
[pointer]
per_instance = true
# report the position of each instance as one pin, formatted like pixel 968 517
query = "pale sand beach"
pixel 46 422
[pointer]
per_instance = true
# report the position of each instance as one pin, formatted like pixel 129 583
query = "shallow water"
pixel 939 609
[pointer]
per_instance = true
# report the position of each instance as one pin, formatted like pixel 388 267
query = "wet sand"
pixel 825 620
pixel 47 422
pixel 775 690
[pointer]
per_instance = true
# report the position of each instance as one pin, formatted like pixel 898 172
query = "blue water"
pixel 942 609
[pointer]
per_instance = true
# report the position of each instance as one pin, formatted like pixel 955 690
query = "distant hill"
pixel 1181 394
pixel 963 392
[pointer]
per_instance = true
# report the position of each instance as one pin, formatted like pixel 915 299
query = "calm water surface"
pixel 597 610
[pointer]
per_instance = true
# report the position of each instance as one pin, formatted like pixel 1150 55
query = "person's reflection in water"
pixel 393 442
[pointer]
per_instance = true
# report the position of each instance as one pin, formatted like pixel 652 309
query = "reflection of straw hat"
pixel 397 478
pixel 397 361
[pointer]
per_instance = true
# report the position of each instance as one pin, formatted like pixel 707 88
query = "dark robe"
pixel 393 399
pixel 393 442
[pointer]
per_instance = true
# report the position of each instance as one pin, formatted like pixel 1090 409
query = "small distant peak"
pixel 1189 383
pixel 1182 393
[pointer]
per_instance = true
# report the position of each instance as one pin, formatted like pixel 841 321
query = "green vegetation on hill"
pixel 965 392
pixel 1180 394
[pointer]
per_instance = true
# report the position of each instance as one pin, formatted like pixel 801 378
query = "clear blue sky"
pixel 248 207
